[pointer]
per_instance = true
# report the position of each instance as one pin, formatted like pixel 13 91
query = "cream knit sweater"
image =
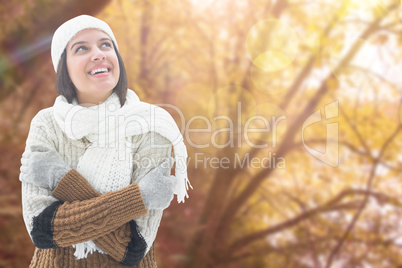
pixel 38 201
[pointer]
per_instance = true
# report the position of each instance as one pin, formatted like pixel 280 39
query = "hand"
pixel 43 167
pixel 157 188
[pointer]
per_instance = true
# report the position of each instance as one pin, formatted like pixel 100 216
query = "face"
pixel 93 66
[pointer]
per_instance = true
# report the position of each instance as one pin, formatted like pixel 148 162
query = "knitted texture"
pixel 70 28
pixel 107 128
pixel 45 131
pixel 107 163
pixel 43 167
pixel 42 232
pixel 64 258
pixel 76 222
pixel 123 244
pixel 74 187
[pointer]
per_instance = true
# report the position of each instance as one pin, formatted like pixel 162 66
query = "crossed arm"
pixel 74 212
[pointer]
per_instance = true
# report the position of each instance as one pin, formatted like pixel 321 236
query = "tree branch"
pixel 234 206
pixel 332 205
pixel 363 205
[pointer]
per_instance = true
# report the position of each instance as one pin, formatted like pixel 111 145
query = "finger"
pixel 25 159
pixel 170 199
pixel 39 148
pixel 23 169
pixel 172 182
pixel 153 172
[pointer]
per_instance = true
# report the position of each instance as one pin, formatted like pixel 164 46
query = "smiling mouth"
pixel 99 71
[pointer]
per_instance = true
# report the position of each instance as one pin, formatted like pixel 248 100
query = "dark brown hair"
pixel 66 88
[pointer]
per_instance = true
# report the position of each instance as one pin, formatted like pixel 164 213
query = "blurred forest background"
pixel 323 78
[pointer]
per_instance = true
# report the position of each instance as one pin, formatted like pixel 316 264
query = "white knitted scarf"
pixel 107 163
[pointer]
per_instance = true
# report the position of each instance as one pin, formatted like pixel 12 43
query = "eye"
pixel 106 44
pixel 80 48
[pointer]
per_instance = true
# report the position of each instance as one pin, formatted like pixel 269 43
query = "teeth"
pixel 99 70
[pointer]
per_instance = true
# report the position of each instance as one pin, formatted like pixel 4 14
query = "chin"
pixel 106 88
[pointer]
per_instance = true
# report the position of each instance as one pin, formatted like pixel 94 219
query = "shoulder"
pixel 45 123
pixel 151 140
pixel 44 116
pixel 151 150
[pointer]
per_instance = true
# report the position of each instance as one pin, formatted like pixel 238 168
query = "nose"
pixel 98 55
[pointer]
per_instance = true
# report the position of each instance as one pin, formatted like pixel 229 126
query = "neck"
pixel 90 100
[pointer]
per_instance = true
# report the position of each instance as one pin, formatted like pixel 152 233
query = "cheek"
pixel 117 73
pixel 75 70
pixel 116 67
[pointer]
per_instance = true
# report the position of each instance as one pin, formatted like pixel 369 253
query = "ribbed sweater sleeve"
pixel 121 244
pixel 52 223
pixel 73 219
pixel 74 187
pixel 69 223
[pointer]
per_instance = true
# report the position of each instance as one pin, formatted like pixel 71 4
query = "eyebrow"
pixel 83 42
pixel 77 43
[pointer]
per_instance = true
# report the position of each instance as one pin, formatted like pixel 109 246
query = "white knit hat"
pixel 70 28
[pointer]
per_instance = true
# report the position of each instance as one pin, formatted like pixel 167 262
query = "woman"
pixel 96 169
